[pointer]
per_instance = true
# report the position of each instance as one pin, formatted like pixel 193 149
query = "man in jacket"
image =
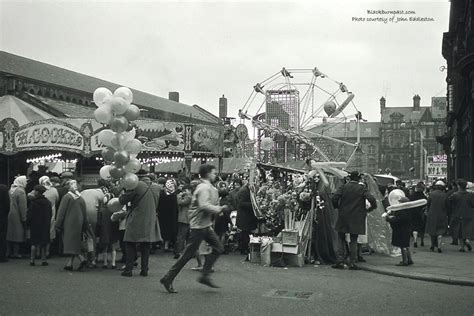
pixel 141 225
pixel 246 220
pixel 350 200
pixel 204 205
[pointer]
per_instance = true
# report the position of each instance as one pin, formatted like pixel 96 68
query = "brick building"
pixel 458 50
pixel 408 136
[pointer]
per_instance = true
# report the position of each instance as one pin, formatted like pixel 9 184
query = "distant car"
pixel 383 180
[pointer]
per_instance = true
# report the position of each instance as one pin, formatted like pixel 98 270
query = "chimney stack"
pixel 173 96
pixel 222 107
pixel 382 103
pixel 416 102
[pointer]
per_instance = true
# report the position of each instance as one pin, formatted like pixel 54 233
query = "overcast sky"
pixel 205 49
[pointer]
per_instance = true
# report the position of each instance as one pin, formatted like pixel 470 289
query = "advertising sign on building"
pixel 47 135
pixel 437 166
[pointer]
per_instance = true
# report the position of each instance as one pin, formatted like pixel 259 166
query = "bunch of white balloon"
pixel 120 155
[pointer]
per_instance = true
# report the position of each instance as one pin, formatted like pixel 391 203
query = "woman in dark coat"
pixel 38 220
pixel 168 215
pixel 72 222
pixel 462 217
pixel 400 221
pixel 437 215
pixel 246 219
pixel 418 215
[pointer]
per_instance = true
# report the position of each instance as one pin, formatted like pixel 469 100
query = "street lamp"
pixel 423 151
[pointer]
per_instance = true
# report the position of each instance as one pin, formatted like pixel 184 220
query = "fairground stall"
pixel 297 217
pixel 32 139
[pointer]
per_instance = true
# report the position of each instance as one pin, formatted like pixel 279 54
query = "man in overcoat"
pixel 350 199
pixel 141 226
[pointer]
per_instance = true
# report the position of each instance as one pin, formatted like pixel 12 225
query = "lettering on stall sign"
pixel 48 135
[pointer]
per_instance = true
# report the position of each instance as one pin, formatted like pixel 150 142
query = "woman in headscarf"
pixel 17 217
pixel 72 222
pixel 52 195
pixel 168 214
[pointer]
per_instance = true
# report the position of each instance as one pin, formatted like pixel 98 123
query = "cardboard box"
pixel 255 253
pixel 289 237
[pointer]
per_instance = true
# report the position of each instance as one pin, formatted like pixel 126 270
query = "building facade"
pixel 458 50
pixel 408 136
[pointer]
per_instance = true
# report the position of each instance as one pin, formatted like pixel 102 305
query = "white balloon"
pixel 124 93
pixel 100 94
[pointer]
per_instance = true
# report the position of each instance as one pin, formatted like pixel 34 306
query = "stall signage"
pixel 49 135
pixel 437 166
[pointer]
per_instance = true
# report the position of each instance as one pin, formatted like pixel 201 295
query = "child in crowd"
pixel 39 222
pixel 108 232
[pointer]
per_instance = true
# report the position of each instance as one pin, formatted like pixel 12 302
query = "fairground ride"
pixel 290 111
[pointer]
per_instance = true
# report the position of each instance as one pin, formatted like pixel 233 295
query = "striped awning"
pixel 22 112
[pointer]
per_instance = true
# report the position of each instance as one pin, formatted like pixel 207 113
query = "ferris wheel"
pixel 285 107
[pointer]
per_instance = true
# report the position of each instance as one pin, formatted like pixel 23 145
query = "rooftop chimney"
pixel 173 96
pixel 382 103
pixel 416 102
pixel 222 107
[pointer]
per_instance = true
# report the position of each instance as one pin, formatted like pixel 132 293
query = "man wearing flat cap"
pixel 350 199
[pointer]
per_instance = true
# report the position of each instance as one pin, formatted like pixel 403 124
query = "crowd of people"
pixel 52 216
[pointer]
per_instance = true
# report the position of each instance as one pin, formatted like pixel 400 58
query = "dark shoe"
pixel 105 267
pixel 431 248
pixel 422 244
pixel 439 250
pixel 82 265
pixel 402 264
pixel 32 264
pixel 339 266
pixel 462 250
pixel 410 263
pixel 415 244
pixel 135 264
pixel 176 256
pixel 44 264
pixel 361 259
pixel 68 268
pixel 469 247
pixel 353 267
pixel 168 286
pixel 207 281
pixel 126 273
pixel 144 273
pixel 113 267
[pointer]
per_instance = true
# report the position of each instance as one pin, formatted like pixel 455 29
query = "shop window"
pixel 79 101
pixel 47 94
pixel 31 91
pixel 74 100
pixel 40 93
pixel 68 99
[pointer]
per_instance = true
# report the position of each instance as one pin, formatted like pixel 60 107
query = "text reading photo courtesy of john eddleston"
pixel 391 16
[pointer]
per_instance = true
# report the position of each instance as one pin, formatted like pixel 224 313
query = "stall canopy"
pixel 21 111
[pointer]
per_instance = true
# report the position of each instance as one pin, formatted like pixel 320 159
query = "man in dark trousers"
pixel 204 204
pixel 4 210
pixel 350 200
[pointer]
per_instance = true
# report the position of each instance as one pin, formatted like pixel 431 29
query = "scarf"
pixel 46 182
pixel 75 195
pixel 19 182
pixel 170 187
